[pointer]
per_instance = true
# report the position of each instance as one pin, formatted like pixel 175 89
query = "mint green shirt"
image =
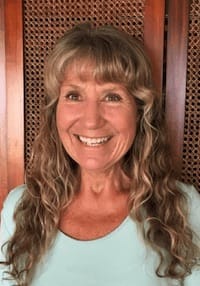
pixel 118 259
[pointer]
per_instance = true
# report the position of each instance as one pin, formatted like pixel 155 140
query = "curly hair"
pixel 156 203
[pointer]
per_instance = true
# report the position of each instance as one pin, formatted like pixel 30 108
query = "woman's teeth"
pixel 93 141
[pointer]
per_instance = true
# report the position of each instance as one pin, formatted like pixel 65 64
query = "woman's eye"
pixel 72 96
pixel 113 97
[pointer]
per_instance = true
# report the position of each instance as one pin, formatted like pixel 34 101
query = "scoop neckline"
pixel 107 236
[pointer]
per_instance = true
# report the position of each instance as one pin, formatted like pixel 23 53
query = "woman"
pixel 101 205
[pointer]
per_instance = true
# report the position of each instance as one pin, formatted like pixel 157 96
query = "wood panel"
pixel 154 16
pixel 14 91
pixel 12 122
pixel 177 41
pixel 3 141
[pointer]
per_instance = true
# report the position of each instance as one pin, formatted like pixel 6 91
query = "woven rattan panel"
pixel 44 22
pixel 191 148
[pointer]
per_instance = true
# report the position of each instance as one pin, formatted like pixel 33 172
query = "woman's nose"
pixel 93 115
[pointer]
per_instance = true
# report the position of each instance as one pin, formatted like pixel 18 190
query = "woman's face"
pixel 96 121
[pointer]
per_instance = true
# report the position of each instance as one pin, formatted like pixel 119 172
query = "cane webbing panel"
pixel 191 148
pixel 45 21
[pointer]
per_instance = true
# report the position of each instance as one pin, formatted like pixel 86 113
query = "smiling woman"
pixel 94 114
pixel 102 184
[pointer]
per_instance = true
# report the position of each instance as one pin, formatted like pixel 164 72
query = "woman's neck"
pixel 101 204
pixel 103 188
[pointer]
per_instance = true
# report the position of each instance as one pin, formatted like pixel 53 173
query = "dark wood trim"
pixel 14 91
pixel 154 18
pixel 3 141
pixel 177 41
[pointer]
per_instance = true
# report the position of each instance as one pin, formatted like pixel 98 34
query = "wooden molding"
pixel 11 95
pixel 177 41
pixel 154 17
pixel 3 117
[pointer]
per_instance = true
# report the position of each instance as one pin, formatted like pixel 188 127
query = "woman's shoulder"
pixel 9 206
pixel 192 195
pixel 11 201
pixel 193 203
pixel 13 197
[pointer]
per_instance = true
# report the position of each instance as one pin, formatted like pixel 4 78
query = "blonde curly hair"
pixel 156 202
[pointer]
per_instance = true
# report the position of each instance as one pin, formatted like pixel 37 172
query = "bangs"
pixel 102 62
pixel 103 55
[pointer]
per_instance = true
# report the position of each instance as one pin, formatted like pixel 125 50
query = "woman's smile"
pixel 96 121
pixel 93 141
